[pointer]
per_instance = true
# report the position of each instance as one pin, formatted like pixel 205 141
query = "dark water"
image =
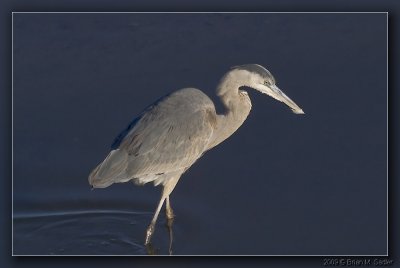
pixel 282 184
pixel 88 232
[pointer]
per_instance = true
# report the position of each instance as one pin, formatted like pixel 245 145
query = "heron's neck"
pixel 237 107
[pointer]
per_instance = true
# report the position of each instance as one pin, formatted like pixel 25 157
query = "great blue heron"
pixel 171 134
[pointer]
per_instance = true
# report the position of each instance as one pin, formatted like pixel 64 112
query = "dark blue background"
pixel 283 184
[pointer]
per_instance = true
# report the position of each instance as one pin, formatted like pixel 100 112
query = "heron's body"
pixel 170 135
pixel 143 152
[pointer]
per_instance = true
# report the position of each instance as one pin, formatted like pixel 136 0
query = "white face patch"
pixel 245 78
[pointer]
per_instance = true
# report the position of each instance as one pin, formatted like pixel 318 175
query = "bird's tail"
pixel 111 170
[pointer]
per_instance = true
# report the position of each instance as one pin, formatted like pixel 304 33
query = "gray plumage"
pixel 160 143
pixel 170 135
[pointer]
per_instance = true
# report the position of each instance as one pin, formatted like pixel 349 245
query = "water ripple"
pixel 90 232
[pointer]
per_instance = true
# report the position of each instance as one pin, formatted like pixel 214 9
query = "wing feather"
pixel 168 137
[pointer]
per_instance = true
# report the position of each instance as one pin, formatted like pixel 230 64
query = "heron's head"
pixel 257 77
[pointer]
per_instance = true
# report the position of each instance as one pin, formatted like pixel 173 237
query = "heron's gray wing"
pixel 170 135
pixel 163 141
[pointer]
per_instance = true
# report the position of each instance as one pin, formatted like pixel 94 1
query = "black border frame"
pixel 7 7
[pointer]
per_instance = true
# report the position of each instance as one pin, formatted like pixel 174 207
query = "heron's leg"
pixel 169 212
pixel 150 229
pixel 168 188
pixel 170 221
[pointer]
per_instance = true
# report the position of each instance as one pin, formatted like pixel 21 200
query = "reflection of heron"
pixel 170 135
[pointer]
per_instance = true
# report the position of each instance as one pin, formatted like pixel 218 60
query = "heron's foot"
pixel 149 234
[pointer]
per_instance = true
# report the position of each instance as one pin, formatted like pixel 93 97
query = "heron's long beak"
pixel 277 94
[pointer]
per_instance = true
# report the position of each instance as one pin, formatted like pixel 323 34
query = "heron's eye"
pixel 267 83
